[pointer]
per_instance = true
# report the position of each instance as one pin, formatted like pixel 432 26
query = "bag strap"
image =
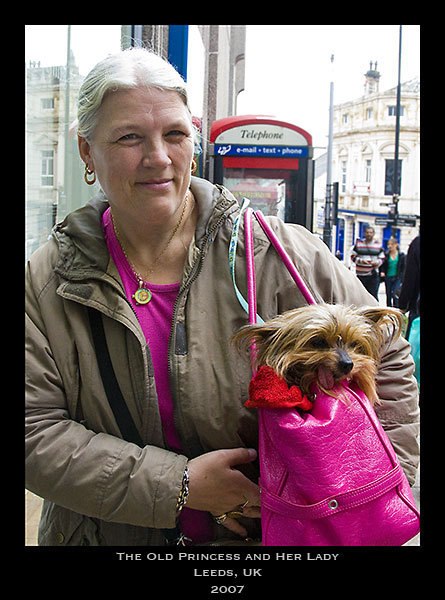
pixel 232 256
pixel 250 264
pixel 281 253
pixel 117 402
pixel 112 390
pixel 250 306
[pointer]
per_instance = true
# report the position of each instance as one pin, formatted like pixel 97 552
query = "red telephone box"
pixel 268 161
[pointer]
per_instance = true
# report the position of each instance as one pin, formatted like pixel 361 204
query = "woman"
pixel 392 271
pixel 150 255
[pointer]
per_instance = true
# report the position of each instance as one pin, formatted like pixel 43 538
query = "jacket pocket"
pixel 62 527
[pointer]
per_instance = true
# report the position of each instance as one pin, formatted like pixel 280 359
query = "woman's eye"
pixel 175 133
pixel 128 137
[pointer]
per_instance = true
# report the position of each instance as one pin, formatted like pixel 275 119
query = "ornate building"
pixel 363 160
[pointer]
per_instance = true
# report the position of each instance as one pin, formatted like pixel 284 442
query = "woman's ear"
pixel 85 152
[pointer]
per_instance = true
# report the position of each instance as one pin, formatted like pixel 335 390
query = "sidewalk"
pixel 33 508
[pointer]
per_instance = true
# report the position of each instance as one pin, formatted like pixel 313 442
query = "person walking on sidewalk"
pixel 392 271
pixel 368 255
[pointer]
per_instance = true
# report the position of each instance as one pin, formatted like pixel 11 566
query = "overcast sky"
pixel 288 68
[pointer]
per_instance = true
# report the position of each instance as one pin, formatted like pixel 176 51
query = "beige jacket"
pixel 101 490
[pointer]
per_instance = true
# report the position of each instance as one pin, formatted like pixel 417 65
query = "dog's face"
pixel 323 343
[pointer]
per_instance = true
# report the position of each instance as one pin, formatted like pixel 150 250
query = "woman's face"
pixel 141 151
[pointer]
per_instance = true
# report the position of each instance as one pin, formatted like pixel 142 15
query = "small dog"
pixel 323 343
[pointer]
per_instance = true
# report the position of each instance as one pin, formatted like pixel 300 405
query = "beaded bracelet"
pixel 183 494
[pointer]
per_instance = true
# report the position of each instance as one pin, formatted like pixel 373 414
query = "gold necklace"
pixel 143 295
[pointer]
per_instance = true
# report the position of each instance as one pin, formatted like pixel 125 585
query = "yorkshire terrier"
pixel 323 344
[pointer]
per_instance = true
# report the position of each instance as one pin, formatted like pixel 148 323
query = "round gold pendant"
pixel 142 296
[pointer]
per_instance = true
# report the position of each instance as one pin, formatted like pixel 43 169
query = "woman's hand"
pixel 217 487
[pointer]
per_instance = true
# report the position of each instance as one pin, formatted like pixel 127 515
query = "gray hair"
pixel 127 69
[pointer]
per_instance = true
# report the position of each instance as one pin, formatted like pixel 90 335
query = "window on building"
pixel 368 171
pixel 54 171
pixel 343 176
pixel 369 113
pixel 345 118
pixel 47 168
pixel 47 103
pixel 392 111
pixel 389 176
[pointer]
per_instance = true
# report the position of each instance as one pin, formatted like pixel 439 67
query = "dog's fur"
pixel 323 343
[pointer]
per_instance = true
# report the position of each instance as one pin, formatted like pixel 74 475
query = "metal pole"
pixel 63 210
pixel 327 230
pixel 395 185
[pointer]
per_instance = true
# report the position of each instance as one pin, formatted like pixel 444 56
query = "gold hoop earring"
pixel 89 172
pixel 193 166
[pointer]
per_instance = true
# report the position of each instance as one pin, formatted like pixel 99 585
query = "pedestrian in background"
pixel 368 255
pixel 392 271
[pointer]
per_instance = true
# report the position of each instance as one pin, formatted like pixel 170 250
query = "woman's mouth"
pixel 155 184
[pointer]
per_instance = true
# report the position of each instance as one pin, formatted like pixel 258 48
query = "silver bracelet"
pixel 183 494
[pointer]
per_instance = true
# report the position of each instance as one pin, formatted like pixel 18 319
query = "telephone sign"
pixel 267 151
pixel 267 160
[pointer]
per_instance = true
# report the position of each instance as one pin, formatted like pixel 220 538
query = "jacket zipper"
pixel 191 279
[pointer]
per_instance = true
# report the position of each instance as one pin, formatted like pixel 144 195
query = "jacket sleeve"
pixel 381 258
pixel 94 474
pixel 331 282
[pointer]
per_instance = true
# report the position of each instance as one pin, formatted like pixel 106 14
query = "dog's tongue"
pixel 325 378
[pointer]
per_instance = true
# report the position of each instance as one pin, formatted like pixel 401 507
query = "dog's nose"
pixel 345 363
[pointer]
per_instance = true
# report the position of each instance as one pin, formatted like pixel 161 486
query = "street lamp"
pixel 395 184
pixel 327 229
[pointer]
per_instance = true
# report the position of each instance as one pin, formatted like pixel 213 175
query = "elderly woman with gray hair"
pixel 136 430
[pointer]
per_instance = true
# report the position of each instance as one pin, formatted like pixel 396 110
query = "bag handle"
pixel 250 262
pixel 250 307
pixel 232 256
pixel 250 266
pixel 282 254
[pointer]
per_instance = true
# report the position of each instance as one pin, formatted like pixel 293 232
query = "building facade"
pixel 363 162
pixel 54 174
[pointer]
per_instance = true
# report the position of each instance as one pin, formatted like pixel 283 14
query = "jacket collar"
pixel 83 252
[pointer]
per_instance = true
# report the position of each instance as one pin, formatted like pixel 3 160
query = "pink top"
pixel 155 319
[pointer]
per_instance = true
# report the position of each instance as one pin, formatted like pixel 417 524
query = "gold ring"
pixel 233 514
pixel 221 518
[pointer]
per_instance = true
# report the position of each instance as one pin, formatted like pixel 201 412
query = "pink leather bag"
pixel 329 477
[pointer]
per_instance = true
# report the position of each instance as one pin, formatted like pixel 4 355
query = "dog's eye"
pixel 319 343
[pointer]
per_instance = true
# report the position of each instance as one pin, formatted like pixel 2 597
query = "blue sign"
pixel 264 151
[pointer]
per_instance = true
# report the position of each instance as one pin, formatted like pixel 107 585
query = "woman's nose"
pixel 155 155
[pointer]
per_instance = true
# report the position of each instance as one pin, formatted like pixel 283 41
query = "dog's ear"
pixel 382 317
pixel 253 334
